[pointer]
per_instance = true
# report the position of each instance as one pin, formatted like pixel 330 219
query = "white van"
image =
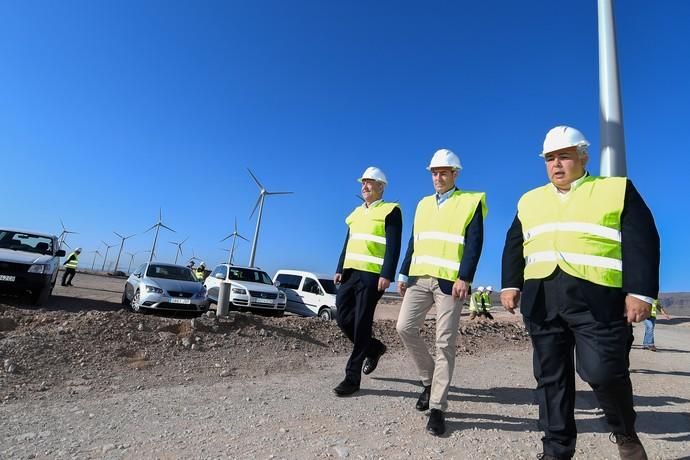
pixel 308 294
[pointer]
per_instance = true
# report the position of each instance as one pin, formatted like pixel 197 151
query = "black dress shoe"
pixel 423 401
pixel 437 422
pixel 371 362
pixel 346 388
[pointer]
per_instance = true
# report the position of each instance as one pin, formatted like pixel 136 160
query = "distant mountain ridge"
pixel 676 302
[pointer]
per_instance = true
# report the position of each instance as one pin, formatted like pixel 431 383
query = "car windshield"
pixel 170 272
pixel 328 285
pixel 247 274
pixel 18 241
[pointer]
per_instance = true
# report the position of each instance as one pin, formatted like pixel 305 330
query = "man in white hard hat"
pixel 365 270
pixel 486 302
pixel 70 265
pixel 476 302
pixel 200 272
pixel 438 268
pixel 583 255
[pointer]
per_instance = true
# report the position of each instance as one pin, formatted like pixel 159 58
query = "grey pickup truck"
pixel 29 263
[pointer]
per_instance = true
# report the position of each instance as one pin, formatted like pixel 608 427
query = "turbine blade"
pixel 245 239
pixel 119 235
pixel 225 238
pixel 165 226
pixel 151 228
pixel 279 193
pixel 256 205
pixel 261 187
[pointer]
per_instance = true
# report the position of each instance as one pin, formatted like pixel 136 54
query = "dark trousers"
pixel 69 273
pixel 601 351
pixel 356 302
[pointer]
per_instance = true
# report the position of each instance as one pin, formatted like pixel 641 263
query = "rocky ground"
pixel 84 378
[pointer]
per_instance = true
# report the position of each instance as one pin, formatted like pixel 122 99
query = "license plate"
pixel 9 278
pixel 264 301
pixel 182 301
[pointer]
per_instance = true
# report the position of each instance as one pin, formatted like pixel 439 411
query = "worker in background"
pixel 200 272
pixel 649 323
pixel 486 303
pixel 70 265
pixel 365 269
pixel 583 255
pixel 476 302
pixel 190 265
pixel 438 268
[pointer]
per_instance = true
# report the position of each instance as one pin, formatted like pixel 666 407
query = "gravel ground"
pixel 82 378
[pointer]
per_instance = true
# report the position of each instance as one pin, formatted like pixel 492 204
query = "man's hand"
pixel 337 278
pixel 636 310
pixel 402 287
pixel 383 284
pixel 460 289
pixel 510 299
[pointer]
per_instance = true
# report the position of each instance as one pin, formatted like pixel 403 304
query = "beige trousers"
pixel 421 294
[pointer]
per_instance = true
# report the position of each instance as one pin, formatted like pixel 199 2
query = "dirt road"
pixel 93 381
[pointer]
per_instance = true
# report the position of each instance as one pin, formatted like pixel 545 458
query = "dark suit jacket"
pixel 640 247
pixel 393 225
pixel 474 239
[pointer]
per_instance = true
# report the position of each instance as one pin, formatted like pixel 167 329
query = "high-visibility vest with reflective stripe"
pixel 486 300
pixel 439 233
pixel 580 234
pixel 476 301
pixel 73 262
pixel 199 273
pixel 654 307
pixel 366 245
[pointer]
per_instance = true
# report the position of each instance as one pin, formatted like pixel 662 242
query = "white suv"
pixel 308 294
pixel 251 289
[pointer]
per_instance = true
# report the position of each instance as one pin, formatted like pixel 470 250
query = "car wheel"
pixel 40 297
pixel 125 300
pixel 325 314
pixel 135 303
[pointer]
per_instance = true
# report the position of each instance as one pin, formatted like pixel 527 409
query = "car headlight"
pixel 155 289
pixel 38 268
pixel 239 291
pixel 281 295
pixel 200 294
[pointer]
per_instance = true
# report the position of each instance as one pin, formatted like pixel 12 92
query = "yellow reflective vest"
pixel 199 273
pixel 486 301
pixel 579 233
pixel 366 244
pixel 72 261
pixel 655 305
pixel 439 233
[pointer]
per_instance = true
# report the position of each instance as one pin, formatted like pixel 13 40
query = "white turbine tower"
pixel 157 226
pixel 105 257
pixel 63 235
pixel 179 247
pixel 95 253
pixel 122 243
pixel 260 203
pixel 234 235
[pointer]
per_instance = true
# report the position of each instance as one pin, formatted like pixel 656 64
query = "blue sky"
pixel 112 110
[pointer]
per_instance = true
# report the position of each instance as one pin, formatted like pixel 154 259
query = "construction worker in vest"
pixel 476 302
pixel 486 303
pixel 583 255
pixel 365 269
pixel 649 323
pixel 70 265
pixel 200 272
pixel 438 269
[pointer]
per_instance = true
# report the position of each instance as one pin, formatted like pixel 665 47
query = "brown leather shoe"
pixel 629 446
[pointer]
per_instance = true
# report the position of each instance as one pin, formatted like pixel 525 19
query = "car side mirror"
pixel 60 253
pixel 276 283
pixel 219 276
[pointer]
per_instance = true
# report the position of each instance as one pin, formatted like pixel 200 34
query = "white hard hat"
pixel 480 289
pixel 562 137
pixel 77 250
pixel 490 289
pixel 444 158
pixel 373 173
pixel 202 264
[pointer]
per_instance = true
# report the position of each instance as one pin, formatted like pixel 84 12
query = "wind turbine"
pixel 95 253
pixel 157 226
pixel 132 255
pixel 122 243
pixel 260 203
pixel 63 234
pixel 179 247
pixel 105 257
pixel 234 235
